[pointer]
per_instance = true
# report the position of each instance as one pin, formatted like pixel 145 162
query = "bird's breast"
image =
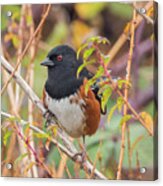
pixel 69 112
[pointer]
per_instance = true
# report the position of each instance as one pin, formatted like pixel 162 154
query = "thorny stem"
pixel 27 142
pixel 114 86
pixel 27 47
pixel 126 93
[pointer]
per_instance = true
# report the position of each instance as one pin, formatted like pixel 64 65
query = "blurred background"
pixel 72 24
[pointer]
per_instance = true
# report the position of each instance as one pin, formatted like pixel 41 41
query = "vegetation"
pixel 116 42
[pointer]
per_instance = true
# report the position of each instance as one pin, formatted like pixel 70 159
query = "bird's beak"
pixel 47 62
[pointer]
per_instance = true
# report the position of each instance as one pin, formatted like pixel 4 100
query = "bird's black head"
pixel 62 55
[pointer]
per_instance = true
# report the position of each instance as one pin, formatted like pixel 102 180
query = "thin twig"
pixel 31 82
pixel 114 86
pixel 70 149
pixel 129 152
pixel 31 149
pixel 27 47
pixel 150 20
pixel 126 93
pixel 22 148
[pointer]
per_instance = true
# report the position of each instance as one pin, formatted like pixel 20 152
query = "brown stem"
pixel 27 47
pixel 126 92
pixel 31 149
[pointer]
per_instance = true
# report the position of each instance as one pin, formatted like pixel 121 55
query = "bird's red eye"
pixel 59 58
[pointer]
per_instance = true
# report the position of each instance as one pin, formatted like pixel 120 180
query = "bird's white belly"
pixel 70 115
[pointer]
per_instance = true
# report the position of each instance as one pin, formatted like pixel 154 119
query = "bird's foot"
pixel 82 154
pixel 49 116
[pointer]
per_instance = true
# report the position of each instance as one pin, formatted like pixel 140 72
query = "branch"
pixel 144 16
pixel 126 94
pixel 27 47
pixel 69 148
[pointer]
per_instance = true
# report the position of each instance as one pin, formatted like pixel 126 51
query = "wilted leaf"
pixel 125 118
pixel 20 158
pixel 150 11
pixel 148 121
pixel 105 96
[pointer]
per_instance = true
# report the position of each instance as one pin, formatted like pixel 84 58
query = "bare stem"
pixel 126 92
pixel 27 47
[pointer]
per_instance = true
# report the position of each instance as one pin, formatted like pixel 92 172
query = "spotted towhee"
pixel 64 94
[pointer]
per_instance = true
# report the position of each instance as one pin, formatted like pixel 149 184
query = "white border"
pixel 57 182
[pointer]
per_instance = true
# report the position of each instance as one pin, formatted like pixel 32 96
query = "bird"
pixel 64 93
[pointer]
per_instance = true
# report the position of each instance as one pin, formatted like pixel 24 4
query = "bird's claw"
pixel 49 116
pixel 82 154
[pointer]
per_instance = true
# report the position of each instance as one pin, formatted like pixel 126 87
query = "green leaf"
pixel 112 110
pixel 123 81
pixel 120 103
pixel 88 53
pixel 83 66
pixel 83 46
pixel 98 39
pixel 6 136
pixel 89 84
pixel 20 158
pixel 106 60
pixel 99 73
pixel 125 118
pixel 105 96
